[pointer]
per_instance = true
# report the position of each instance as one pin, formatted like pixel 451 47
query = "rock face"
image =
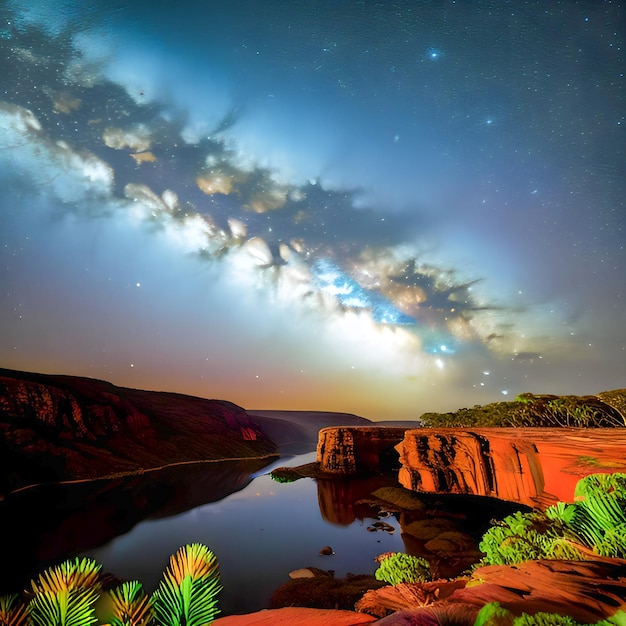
pixel 532 466
pixel 358 450
pixel 296 616
pixel 61 428
pixel 588 591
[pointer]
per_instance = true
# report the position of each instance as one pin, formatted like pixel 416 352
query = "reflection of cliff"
pixel 444 530
pixel 532 466
pixel 44 525
pixel 340 500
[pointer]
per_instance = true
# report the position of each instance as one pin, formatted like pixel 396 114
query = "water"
pixel 259 529
pixel 258 534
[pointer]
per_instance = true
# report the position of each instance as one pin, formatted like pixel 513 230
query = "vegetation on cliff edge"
pixel 549 411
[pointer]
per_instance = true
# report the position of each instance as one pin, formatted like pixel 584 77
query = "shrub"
pixel 403 568
pixel 596 520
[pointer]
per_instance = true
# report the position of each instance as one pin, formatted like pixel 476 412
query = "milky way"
pixel 297 211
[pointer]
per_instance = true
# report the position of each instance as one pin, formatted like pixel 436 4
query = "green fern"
pixel 13 612
pixel 492 614
pixel 545 619
pixel 130 606
pixel 519 537
pixel 403 568
pixel 600 513
pixel 187 594
pixel 65 595
pixel 561 512
pixel 64 607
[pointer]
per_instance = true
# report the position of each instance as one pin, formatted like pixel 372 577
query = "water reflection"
pixel 445 530
pixel 259 529
pixel 45 525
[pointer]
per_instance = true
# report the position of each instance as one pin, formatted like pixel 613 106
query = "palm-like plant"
pixel 130 606
pixel 187 594
pixel 65 595
pixel 13 612
pixel 600 513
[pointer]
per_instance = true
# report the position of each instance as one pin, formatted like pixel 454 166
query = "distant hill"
pixel 296 431
pixel 57 428
pixel 67 428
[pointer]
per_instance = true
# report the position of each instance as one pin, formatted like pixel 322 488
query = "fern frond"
pixel 187 593
pixel 130 605
pixel 65 595
pixel 65 607
pixel 13 612
pixel 76 574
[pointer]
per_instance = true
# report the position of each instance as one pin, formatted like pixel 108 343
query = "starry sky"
pixel 384 208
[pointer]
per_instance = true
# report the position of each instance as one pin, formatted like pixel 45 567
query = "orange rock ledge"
pixel 294 616
pixel 531 466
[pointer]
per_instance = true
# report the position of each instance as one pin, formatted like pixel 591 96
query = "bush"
pixel 403 568
pixel 529 410
pixel 596 520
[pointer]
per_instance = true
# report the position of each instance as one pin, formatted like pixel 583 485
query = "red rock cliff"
pixel 61 428
pixel 533 466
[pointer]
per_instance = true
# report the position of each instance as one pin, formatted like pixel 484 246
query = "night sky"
pixel 384 208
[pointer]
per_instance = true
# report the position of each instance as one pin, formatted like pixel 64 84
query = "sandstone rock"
pixel 585 590
pixel 309 572
pixel 358 450
pixel 323 592
pixel 532 466
pixel 386 600
pixel 65 428
pixel 450 614
pixel 296 617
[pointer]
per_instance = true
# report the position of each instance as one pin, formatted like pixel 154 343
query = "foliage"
pixel 187 593
pixel 403 568
pixel 528 537
pixel 529 410
pixel 596 520
pixel 130 605
pixel 493 614
pixel 600 513
pixel 65 595
pixel 544 619
pixel 12 611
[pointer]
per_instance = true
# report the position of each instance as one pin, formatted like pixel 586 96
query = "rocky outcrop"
pixel 63 428
pixel 588 591
pixel 358 450
pixel 532 466
pixel 296 616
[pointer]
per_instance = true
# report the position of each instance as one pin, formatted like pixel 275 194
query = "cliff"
pixel 532 466
pixel 64 428
pixel 353 450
